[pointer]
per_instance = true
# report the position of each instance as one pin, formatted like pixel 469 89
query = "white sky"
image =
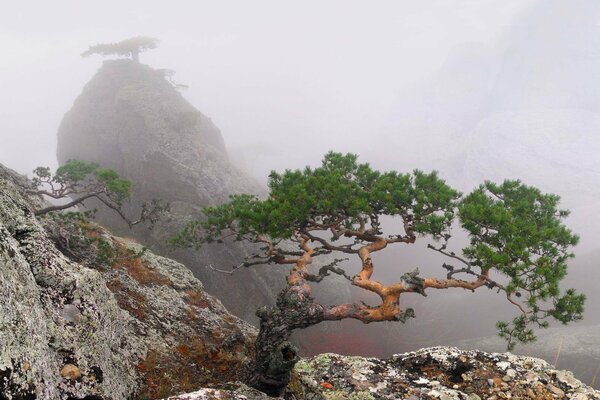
pixel 310 75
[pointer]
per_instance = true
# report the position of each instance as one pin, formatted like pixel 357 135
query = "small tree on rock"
pixel 81 181
pixel 515 231
pixel 127 48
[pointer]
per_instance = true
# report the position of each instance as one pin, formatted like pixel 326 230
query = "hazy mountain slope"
pixel 130 118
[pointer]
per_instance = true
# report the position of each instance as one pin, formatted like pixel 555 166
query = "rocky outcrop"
pixel 85 314
pixel 576 348
pixel 130 118
pixel 444 373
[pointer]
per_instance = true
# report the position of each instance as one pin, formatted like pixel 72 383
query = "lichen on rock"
pixel 435 373
pixel 85 313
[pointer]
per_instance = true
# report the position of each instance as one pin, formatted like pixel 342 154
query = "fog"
pixel 477 89
pixel 270 74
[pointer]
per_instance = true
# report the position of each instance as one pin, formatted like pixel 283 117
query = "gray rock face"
pixel 130 118
pixel 435 373
pixel 117 323
pixel 234 391
pixel 36 284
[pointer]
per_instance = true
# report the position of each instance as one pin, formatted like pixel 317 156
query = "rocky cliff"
pixel 130 118
pixel 87 315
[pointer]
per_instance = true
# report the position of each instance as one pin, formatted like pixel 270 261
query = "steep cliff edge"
pixel 130 118
pixel 85 314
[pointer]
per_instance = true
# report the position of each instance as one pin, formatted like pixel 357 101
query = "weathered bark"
pixel 295 309
pixel 275 355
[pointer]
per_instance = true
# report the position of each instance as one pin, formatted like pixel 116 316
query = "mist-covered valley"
pixel 477 91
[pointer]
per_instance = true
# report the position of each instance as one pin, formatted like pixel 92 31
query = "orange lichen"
pixel 183 350
pixel 141 273
pixel 128 300
pixel 190 366
pixel 195 298
pixel 231 319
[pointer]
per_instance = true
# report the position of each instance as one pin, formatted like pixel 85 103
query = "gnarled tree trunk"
pixel 275 355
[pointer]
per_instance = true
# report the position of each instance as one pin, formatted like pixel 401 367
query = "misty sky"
pixel 311 75
pixel 478 89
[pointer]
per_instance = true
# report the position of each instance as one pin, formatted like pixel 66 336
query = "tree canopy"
pixel 126 48
pixel 81 181
pixel 515 232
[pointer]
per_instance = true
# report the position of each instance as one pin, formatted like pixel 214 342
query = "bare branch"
pixel 325 270
pixel 67 205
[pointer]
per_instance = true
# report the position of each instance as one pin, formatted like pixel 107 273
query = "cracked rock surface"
pixel 85 314
pixel 444 373
pixel 232 391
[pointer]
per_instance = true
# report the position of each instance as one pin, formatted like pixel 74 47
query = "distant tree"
pixel 518 247
pixel 81 181
pixel 128 48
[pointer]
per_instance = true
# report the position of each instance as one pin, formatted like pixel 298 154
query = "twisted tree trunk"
pixel 275 355
pixel 295 309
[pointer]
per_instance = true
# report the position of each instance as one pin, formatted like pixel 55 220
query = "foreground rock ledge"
pixel 436 373
pixel 444 373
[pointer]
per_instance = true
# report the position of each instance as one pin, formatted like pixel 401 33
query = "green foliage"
pixel 74 170
pixel 119 189
pixel 518 231
pixel 518 331
pixel 514 229
pixel 341 191
pixel 79 176
pixel 127 48
pixel 81 180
